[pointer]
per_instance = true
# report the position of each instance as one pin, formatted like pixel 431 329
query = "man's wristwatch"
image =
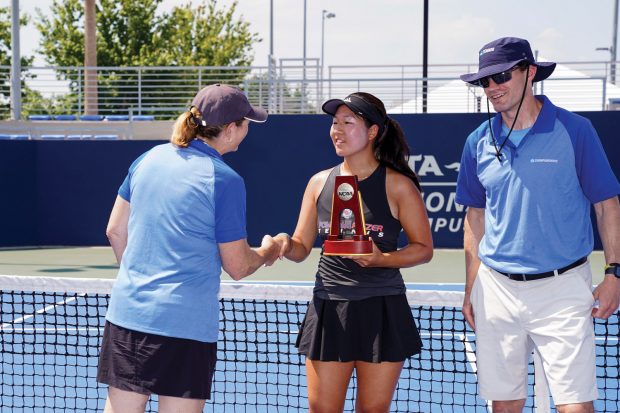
pixel 613 269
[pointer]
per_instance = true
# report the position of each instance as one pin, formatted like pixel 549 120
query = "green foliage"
pixel 125 31
pixel 6 57
pixel 62 34
pixel 131 33
pixel 34 103
pixel 5 37
pixel 204 36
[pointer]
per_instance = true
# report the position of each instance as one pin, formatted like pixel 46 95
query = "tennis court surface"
pixel 50 330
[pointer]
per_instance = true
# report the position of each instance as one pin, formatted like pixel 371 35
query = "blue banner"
pixel 61 192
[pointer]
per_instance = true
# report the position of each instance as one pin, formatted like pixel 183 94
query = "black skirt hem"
pixel 375 330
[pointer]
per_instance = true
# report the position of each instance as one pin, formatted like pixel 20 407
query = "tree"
pixel 130 33
pixel 204 36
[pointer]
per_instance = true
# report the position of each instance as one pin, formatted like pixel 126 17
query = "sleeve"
pixel 125 189
pixel 469 189
pixel 596 177
pixel 230 199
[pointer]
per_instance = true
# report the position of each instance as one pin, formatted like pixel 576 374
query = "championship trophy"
pixel 347 230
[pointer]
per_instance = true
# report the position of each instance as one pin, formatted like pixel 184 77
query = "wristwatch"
pixel 613 269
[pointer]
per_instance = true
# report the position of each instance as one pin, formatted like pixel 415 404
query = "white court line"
pixel 45 330
pixel 41 311
pixel 471 358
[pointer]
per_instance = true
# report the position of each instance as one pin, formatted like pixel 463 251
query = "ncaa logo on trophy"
pixel 347 230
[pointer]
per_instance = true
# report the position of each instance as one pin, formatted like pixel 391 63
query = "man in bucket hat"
pixel 528 176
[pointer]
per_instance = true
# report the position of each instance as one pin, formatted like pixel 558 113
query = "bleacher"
pixel 80 127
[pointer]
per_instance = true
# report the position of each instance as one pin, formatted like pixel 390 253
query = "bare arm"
pixel 608 223
pixel 117 227
pixel 474 231
pixel 239 260
pixel 302 241
pixel 407 206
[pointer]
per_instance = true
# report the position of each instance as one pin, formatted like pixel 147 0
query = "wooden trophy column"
pixel 347 231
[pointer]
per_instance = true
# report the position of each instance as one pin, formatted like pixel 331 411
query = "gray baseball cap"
pixel 222 104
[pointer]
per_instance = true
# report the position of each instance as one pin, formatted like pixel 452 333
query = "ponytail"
pixel 186 128
pixel 391 150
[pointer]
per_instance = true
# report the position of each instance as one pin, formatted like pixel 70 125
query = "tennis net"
pixel 51 328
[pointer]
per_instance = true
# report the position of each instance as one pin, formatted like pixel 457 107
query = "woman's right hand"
pixel 284 241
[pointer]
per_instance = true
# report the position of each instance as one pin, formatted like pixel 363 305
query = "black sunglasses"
pixel 498 78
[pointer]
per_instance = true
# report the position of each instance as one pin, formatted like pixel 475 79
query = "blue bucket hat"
pixel 503 54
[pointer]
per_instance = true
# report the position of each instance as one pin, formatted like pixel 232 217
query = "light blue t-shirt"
pixel 537 200
pixel 516 136
pixel 183 202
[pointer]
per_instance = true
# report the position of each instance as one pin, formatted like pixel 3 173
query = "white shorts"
pixel 552 316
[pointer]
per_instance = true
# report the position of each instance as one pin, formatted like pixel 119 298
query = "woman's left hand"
pixel 372 260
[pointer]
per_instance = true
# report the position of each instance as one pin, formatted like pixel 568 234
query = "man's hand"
pixel 468 311
pixel 608 296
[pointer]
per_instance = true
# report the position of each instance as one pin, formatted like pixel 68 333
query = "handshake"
pixel 275 247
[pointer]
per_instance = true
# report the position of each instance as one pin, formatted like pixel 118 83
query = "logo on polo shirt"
pixel 543 160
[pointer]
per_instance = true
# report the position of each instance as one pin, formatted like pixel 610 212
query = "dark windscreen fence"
pixel 51 330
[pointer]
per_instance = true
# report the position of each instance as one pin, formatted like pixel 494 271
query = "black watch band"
pixel 613 269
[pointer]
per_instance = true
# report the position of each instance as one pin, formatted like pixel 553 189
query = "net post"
pixel 541 387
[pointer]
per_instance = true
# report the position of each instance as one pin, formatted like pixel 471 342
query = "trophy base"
pixel 347 247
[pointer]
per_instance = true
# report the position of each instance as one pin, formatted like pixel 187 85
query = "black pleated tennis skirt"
pixel 374 330
pixel 148 363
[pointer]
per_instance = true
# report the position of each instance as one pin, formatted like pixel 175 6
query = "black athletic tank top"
pixel 343 279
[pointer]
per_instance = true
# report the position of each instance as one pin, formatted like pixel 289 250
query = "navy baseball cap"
pixel 222 104
pixel 503 54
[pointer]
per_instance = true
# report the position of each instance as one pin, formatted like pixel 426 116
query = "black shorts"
pixel 375 329
pixel 148 363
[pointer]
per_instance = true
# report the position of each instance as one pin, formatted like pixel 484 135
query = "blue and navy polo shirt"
pixel 538 198
pixel 183 202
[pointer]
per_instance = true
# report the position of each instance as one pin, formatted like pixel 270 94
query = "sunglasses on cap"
pixel 498 78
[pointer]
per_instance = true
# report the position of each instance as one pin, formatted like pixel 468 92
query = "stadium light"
pixel 325 15
pixel 613 48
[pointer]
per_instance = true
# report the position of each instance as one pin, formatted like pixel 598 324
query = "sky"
pixel 389 32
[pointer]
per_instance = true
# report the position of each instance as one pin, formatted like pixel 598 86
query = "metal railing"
pixel 286 87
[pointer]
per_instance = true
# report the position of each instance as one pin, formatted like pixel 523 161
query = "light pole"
pixel 614 46
pixel 303 81
pixel 16 68
pixel 326 15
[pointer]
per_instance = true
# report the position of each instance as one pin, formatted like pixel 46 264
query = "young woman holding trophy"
pixel 359 317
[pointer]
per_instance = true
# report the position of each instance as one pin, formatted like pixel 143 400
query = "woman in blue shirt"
pixel 179 218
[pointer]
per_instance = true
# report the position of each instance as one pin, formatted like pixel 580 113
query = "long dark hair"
pixel 390 147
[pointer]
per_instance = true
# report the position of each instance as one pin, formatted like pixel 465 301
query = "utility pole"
pixel 16 66
pixel 425 60
pixel 90 58
pixel 614 48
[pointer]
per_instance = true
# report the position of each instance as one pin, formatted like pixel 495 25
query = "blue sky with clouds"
pixel 368 32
